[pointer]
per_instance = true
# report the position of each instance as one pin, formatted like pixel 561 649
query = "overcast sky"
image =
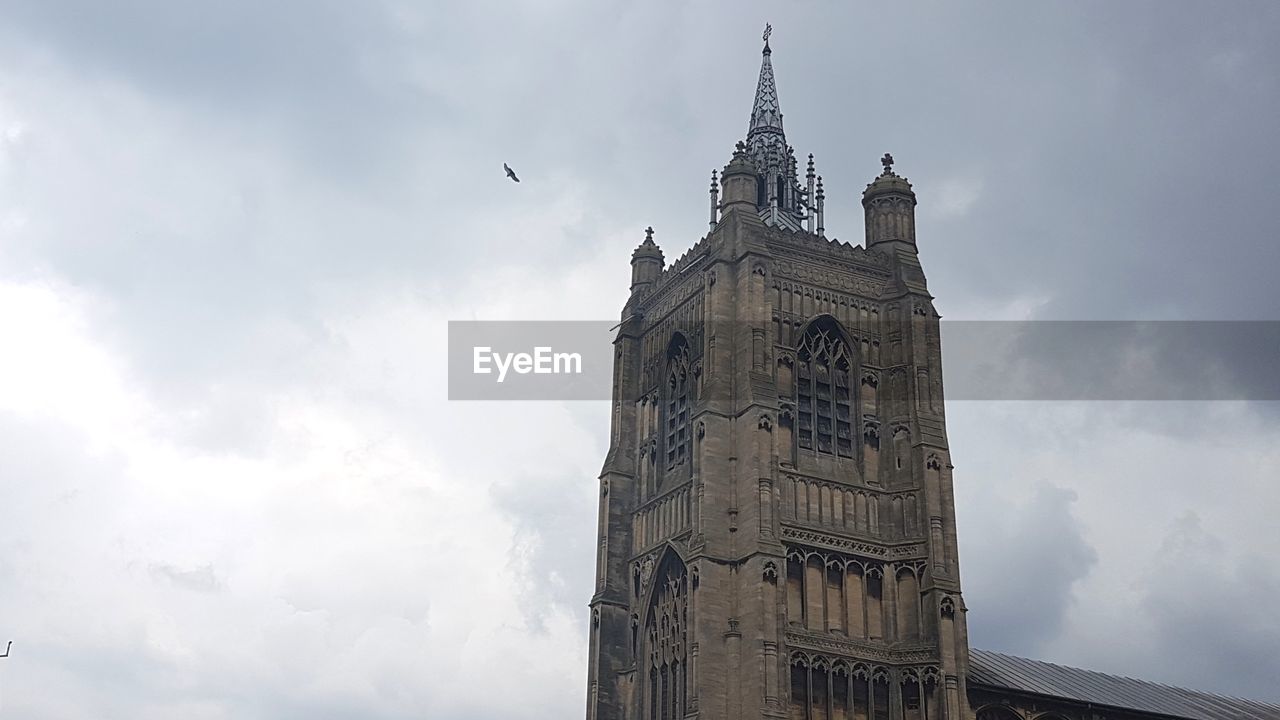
pixel 231 235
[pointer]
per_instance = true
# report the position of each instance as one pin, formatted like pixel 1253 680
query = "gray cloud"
pixel 1112 360
pixel 1021 570
pixel 259 219
pixel 552 560
pixel 198 579
pixel 1196 598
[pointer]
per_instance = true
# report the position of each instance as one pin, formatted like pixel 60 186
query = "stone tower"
pixel 777 530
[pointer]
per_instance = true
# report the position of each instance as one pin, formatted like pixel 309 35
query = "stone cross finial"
pixel 648 234
pixel 887 162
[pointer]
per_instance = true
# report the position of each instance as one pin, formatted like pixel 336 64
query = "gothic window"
pixel 880 695
pixel 666 641
pixel 679 387
pixel 824 404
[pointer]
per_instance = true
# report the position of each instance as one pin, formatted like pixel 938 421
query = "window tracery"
pixel 679 391
pixel 823 397
pixel 666 635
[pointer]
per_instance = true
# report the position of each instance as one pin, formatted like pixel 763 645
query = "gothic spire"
pixel 766 114
pixel 779 197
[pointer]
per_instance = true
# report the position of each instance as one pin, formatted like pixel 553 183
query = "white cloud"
pixel 350 558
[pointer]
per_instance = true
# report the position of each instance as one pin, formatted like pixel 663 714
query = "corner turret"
pixel 646 264
pixel 890 207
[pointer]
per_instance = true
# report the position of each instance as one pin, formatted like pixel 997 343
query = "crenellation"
pixel 700 250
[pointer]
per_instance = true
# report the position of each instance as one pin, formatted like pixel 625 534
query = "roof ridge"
pixel 1198 694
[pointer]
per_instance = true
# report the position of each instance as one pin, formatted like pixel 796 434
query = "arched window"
pixel 666 642
pixel 679 388
pixel 824 407
pixel 997 713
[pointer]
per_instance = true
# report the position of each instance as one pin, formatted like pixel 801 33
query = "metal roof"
pixel 997 670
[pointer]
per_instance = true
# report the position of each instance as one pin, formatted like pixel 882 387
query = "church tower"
pixel 777 527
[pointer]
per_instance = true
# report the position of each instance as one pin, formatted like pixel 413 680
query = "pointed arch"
pixel 826 364
pixel 668 561
pixel 829 323
pixel 665 655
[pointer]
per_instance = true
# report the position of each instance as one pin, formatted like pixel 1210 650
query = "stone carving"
pixel 827 277
pixel 786 414
pixel 808 642
pixel 662 302
pixel 646 568
pixel 844 544
pixel 947 607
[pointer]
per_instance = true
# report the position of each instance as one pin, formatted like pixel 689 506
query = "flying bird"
pixel 510 173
